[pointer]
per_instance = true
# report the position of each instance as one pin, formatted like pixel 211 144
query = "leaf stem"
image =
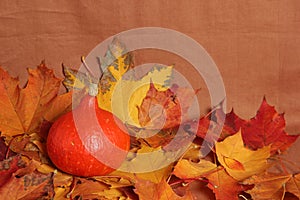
pixel 284 191
pixel 87 67
pixel 185 182
pixel 242 196
pixel 72 188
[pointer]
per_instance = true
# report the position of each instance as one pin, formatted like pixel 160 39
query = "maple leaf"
pixel 128 93
pixel 231 125
pixel 210 126
pixel 88 189
pixel 152 161
pixel 4 150
pixel 60 105
pixel 28 145
pixel 62 185
pixel 186 169
pixel 155 138
pixel 239 161
pixel 114 181
pixel 8 167
pixel 224 186
pixel 293 185
pixel 76 80
pixel 268 185
pixel 267 128
pixel 171 139
pixel 116 62
pixel 165 109
pixel 30 186
pixel 24 181
pixel 23 109
pixel 157 191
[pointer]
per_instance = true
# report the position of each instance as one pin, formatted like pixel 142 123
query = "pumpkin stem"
pixel 93 89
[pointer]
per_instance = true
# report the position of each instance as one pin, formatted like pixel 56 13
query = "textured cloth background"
pixel 255 44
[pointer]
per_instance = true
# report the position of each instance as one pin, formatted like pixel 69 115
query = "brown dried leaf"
pixel 268 186
pixel 8 167
pixel 88 189
pixel 31 186
pixel 4 151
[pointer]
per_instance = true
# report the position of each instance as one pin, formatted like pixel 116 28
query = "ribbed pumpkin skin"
pixel 75 154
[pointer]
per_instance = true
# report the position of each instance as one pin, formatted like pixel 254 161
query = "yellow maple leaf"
pixel 239 161
pixel 128 95
pixel 185 169
pixel 156 168
pixel 75 79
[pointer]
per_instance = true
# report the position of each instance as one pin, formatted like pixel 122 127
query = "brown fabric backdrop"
pixel 255 44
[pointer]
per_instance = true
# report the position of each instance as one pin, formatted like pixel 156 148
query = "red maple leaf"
pixel 267 128
pixel 232 125
pixel 214 121
pixel 210 125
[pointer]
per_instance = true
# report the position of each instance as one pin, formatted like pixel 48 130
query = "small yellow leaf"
pixel 75 79
pixel 239 161
pixel 233 164
pixel 146 162
pixel 185 169
pixel 61 193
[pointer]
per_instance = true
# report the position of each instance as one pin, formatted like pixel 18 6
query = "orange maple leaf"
pixel 165 109
pixel 23 109
pixel 162 191
pixel 268 185
pixel 293 185
pixel 224 186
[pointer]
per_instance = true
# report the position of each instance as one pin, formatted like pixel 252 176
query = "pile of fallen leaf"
pixel 245 159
